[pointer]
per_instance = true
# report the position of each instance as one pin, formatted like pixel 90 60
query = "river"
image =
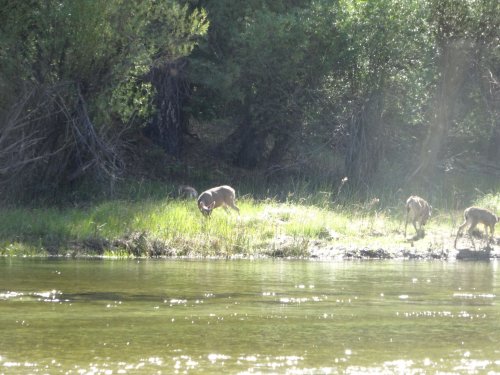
pixel 74 316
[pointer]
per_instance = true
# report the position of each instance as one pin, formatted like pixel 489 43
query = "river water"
pixel 244 316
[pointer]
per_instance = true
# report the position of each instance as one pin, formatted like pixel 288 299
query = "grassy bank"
pixel 153 227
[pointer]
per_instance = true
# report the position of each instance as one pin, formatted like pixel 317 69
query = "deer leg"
pixel 233 206
pixel 406 222
pixel 472 236
pixel 486 227
pixel 415 226
pixel 459 232
pixel 422 228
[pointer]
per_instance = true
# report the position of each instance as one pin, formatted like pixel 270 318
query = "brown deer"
pixel 218 196
pixel 473 216
pixel 418 210
pixel 186 191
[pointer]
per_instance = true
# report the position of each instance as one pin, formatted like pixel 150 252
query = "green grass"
pixel 145 220
pixel 156 227
pixel 490 201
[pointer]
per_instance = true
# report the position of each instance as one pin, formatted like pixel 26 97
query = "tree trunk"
pixel 490 86
pixel 172 91
pixel 364 150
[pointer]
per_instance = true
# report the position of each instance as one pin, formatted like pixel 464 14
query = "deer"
pixel 419 211
pixel 216 197
pixel 186 191
pixel 472 217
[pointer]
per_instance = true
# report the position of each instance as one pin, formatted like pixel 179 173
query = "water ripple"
pixel 473 296
pixel 44 296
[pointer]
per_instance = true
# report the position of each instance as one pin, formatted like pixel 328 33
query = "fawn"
pixel 475 215
pixel 419 210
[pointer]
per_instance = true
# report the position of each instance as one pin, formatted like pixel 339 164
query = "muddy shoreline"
pixel 139 245
pixel 445 254
pixel 435 246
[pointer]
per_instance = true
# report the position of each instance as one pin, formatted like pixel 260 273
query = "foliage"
pixel 73 79
pixel 400 92
pixel 363 78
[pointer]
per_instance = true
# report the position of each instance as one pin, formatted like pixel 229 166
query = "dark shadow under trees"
pixel 168 123
pixel 48 141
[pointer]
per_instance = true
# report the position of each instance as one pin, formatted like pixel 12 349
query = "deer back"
pixel 216 196
pixel 480 215
pixel 419 208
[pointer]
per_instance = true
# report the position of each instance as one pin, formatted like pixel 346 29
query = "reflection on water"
pixel 299 317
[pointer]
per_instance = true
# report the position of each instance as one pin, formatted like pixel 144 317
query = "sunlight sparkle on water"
pixel 303 286
pixel 51 294
pixel 286 317
pixel 217 357
pixel 155 361
pixel 473 296
pixel 267 294
pixel 286 300
pixel 9 294
pixel 175 301
pixel 472 366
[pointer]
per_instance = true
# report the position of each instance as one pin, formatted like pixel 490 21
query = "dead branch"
pixel 48 139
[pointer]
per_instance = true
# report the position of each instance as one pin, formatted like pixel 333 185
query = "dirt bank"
pixel 431 247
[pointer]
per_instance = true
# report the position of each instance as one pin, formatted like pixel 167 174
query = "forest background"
pixel 325 115
pixel 277 98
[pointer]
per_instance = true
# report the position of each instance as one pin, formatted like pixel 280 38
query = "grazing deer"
pixel 475 215
pixel 185 191
pixel 216 197
pixel 419 211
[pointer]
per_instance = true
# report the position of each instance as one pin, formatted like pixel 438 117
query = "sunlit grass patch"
pixel 490 201
pixel 170 227
pixel 309 222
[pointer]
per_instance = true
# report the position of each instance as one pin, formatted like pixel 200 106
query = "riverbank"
pixel 175 228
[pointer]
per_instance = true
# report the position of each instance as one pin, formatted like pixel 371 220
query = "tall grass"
pixel 145 219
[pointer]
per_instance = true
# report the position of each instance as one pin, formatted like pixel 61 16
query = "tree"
pixel 171 42
pixel 273 62
pixel 383 82
pixel 73 78
pixel 466 95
